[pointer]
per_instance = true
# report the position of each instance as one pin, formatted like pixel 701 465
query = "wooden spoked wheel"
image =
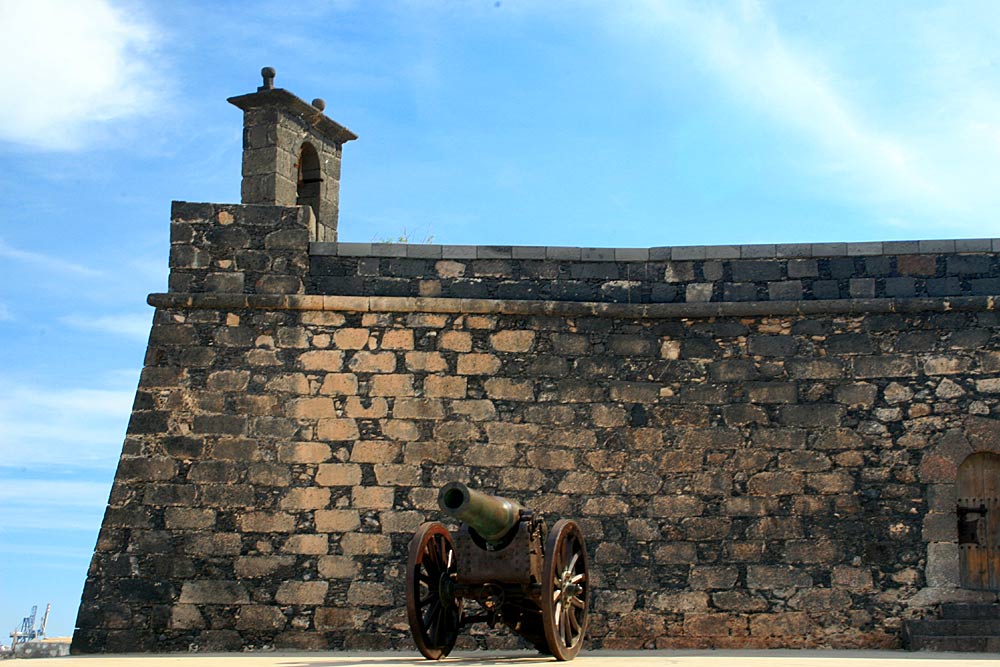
pixel 433 609
pixel 565 590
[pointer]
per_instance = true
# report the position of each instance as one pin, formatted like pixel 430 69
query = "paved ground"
pixel 515 659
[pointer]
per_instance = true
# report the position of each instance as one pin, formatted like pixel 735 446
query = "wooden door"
pixel 979 521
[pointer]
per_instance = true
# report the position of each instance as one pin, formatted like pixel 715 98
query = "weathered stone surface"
pixel 783 476
pixel 213 592
pixel 260 619
pixel 301 592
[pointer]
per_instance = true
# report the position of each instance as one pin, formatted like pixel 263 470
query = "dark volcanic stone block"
pixel 790 290
pixel 903 287
pixel 410 268
pixel 803 268
pixel 148 422
pixel 826 289
pixel 849 344
pixel 916 341
pixel 739 292
pixel 968 264
pixel 753 270
pixel 811 416
pixel 661 293
pixel 861 288
pixel 985 286
pixel 521 289
pixel 352 286
pixel 968 339
pixel 842 267
pixel 616 292
pixel 772 346
pixel 594 271
pixel 390 287
pixel 732 370
pixel 949 286
pixel 566 290
pixel 876 267
pixel 326 265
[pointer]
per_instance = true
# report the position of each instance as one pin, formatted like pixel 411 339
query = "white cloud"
pixel 70 428
pixel 55 504
pixel 132 325
pixel 46 551
pixel 45 262
pixel 72 66
pixel 742 46
pixel 151 269
pixel 931 158
pixel 126 378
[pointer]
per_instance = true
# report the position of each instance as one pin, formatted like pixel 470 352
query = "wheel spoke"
pixel 566 631
pixel 576 602
pixel 436 634
pixel 434 553
pixel 429 614
pixel 572 562
pixel 443 551
pixel 573 622
pixel 577 578
pixel 556 593
pixel 430 563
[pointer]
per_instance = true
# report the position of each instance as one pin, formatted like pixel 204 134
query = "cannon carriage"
pixel 504 557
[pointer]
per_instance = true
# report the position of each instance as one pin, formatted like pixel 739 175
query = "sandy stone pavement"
pixel 780 658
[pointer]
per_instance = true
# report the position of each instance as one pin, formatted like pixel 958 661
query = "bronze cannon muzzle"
pixel 492 517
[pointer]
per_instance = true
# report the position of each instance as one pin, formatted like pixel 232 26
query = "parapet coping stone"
pixel 663 253
pixel 373 304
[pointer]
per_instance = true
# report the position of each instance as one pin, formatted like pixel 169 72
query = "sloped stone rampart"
pixel 748 474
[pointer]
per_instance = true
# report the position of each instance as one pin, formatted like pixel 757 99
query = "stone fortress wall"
pixel 760 442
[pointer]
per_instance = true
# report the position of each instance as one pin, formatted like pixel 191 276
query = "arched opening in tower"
pixel 310 179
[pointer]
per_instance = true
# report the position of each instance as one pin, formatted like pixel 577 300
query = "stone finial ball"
pixel 268 72
pixel 319 104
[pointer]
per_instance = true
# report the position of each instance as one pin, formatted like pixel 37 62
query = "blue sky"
pixel 645 123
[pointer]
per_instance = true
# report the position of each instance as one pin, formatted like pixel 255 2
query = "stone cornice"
pixel 312 302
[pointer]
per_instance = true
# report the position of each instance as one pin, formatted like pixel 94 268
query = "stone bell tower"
pixel 291 154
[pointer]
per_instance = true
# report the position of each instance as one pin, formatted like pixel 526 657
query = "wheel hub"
pixel 446 589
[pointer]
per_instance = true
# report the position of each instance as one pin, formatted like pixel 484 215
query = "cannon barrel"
pixel 490 516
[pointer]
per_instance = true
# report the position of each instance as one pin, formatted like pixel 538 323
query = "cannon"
pixel 503 556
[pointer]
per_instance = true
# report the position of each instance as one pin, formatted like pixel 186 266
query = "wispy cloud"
pixel 151 269
pixel 53 493
pixel 132 325
pixel 69 428
pixel 53 503
pixel 46 262
pixel 74 66
pixel 742 46
pixel 48 552
pixel 946 169
pixel 5 314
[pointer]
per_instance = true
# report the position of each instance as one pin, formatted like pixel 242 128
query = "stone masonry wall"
pixel 754 273
pixel 746 474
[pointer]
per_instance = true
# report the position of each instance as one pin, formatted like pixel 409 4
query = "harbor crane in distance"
pixel 27 632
